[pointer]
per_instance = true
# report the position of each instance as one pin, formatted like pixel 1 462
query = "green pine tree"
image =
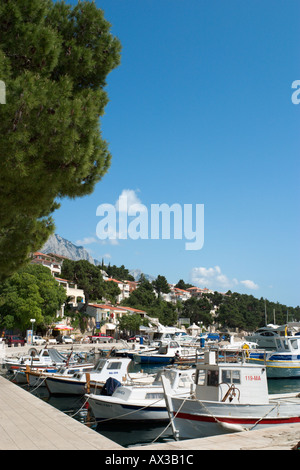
pixel 54 60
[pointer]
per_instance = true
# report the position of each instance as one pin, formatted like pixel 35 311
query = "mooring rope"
pixel 129 413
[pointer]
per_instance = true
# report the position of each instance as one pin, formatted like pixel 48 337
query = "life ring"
pixel 32 352
pixel 246 348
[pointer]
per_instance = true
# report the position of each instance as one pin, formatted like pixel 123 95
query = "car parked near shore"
pixel 14 340
pixel 38 340
pixel 100 338
pixel 64 339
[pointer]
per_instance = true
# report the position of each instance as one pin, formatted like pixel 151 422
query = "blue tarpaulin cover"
pixel 110 386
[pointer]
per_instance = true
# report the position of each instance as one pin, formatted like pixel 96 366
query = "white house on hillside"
pixel 75 295
pixel 54 263
pixel 48 261
pixel 123 286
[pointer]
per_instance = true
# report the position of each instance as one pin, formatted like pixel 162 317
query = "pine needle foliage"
pixel 54 60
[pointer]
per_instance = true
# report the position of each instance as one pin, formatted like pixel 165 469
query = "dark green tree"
pixel 143 297
pixel 198 310
pixel 32 292
pixel 87 277
pixel 111 291
pixel 161 285
pixel 120 273
pixel 54 60
pixel 183 285
pixel 130 323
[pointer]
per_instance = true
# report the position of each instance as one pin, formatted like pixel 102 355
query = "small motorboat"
pixel 229 397
pixel 141 402
pixel 135 349
pixel 166 354
pixel 47 357
pixel 37 377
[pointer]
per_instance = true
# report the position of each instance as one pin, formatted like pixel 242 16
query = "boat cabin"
pixel 288 344
pixel 230 382
pixel 165 347
pixel 180 380
pixel 116 368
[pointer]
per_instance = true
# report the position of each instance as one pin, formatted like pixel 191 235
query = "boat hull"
pixel 63 386
pixel 195 419
pixel 154 359
pixel 103 410
pixel 277 366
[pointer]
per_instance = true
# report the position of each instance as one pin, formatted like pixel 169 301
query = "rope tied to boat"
pixel 277 404
pixel 172 419
pixel 233 427
pixel 129 413
pixel 237 427
pixel 39 385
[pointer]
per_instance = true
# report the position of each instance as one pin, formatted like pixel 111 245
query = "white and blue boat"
pixel 166 354
pixel 284 361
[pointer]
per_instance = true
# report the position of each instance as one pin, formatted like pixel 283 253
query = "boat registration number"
pixel 253 377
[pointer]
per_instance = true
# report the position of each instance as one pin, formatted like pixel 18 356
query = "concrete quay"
pixel 29 423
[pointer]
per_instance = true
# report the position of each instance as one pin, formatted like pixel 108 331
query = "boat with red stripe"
pixel 229 397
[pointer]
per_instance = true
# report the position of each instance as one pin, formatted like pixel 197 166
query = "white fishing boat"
pixel 44 359
pixel 284 361
pixel 141 402
pixel 95 379
pixel 37 377
pixel 229 397
pixel 134 349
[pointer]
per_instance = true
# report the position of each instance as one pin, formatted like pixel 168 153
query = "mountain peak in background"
pixel 60 246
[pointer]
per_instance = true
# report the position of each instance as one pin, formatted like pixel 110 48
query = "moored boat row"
pixel 225 390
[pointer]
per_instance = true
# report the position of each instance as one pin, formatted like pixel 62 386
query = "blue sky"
pixel 200 112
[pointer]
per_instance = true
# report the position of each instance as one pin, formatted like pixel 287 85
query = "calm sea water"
pixel 135 433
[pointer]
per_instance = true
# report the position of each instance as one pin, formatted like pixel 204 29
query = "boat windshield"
pixel 100 365
pixel 163 349
pixel 286 344
pixel 213 378
pixel 114 365
pixel 169 374
pixel 295 343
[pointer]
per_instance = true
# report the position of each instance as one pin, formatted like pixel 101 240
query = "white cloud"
pixel 128 198
pixel 86 241
pixel 214 279
pixel 250 284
